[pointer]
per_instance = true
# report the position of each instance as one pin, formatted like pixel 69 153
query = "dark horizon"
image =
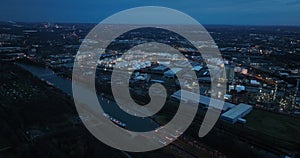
pixel 204 24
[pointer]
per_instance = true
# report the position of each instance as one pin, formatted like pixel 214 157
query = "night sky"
pixel 241 12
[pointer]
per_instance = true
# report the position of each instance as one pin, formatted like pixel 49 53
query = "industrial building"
pixel 204 100
pixel 229 72
pixel 237 113
pixel 230 112
pixel 159 69
pixel 171 73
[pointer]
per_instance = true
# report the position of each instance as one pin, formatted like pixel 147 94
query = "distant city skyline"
pixel 229 12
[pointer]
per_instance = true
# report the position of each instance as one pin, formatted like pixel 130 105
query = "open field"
pixel 280 126
pixel 268 132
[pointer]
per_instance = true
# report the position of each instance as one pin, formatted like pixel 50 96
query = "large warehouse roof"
pixel 233 112
pixel 237 111
pixel 160 68
pixel 190 96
